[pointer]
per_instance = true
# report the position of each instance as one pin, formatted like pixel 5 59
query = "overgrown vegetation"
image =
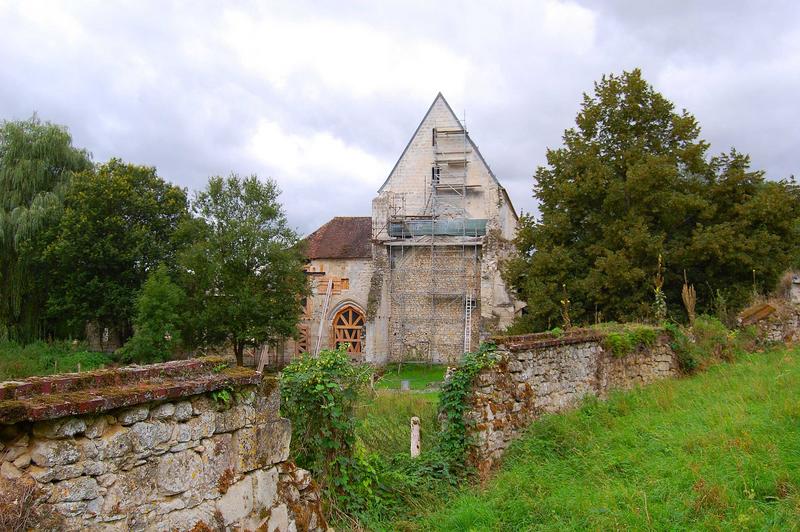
pixel 708 341
pixel 358 444
pixel 716 451
pixel 622 340
pixel 320 395
pixel 41 358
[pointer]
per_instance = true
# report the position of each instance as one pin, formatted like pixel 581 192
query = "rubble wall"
pixel 189 445
pixel 537 374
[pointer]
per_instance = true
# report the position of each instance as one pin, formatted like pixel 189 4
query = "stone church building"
pixel 419 279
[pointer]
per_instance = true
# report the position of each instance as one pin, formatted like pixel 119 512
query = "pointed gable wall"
pixel 411 175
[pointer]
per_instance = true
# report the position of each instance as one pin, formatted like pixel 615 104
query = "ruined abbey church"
pixel 419 279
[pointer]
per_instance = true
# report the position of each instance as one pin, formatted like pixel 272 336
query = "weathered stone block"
pixel 217 459
pixel 60 428
pixel 237 503
pixel 265 488
pixel 229 420
pixel 146 435
pixel 133 415
pixel 96 427
pixel 179 472
pixel 78 489
pixel 114 443
pixel 163 411
pixel 49 453
pixel 183 411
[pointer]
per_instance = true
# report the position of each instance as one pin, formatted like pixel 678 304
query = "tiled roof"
pixel 344 237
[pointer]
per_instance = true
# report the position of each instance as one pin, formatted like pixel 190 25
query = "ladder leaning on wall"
pixel 468 304
pixel 325 304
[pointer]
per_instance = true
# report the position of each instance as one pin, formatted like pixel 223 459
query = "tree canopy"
pixel 244 272
pixel 634 180
pixel 118 225
pixel 37 162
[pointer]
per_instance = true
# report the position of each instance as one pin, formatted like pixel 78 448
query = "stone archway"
pixel 348 327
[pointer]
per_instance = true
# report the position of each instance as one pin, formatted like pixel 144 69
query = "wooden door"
pixel 348 327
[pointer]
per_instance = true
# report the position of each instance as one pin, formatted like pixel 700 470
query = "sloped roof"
pixel 344 237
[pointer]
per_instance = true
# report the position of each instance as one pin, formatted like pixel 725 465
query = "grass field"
pixel 717 451
pixel 420 376
pixel 41 358
pixel 385 416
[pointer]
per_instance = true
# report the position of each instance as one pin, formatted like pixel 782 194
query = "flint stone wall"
pixel 538 374
pixel 157 451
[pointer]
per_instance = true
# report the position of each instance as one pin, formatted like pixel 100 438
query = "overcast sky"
pixel 323 96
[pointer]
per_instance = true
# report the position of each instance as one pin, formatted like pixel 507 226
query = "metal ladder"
pixel 468 300
pixel 322 316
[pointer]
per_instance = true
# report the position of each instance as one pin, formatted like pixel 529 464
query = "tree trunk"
pixel 238 349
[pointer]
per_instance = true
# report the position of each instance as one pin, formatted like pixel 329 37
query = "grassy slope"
pixel 718 451
pixel 40 358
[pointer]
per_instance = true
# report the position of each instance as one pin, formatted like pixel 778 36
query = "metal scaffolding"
pixel 433 257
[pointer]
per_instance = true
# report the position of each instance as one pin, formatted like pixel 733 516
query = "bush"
pixel 708 341
pixel 158 320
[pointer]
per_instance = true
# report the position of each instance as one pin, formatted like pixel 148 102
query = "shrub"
pixel 158 319
pixel 628 339
pixel 320 395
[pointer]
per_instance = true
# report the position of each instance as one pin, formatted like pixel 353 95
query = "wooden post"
pixel 415 444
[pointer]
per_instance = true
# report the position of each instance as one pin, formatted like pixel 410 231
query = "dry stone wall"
pixel 538 374
pixel 188 445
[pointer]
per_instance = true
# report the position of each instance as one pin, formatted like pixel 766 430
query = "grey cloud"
pixel 158 84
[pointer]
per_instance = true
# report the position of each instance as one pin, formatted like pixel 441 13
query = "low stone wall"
pixel 537 374
pixel 189 445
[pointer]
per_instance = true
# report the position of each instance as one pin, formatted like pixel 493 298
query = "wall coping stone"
pixel 50 397
pixel 524 342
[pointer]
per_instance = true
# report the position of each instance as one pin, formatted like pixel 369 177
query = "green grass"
pixel 717 451
pixel 41 358
pixel 385 421
pixel 418 375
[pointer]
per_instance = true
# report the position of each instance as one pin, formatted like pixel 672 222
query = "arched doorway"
pixel 348 327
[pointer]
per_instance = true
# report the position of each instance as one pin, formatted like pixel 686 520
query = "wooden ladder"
pixel 325 304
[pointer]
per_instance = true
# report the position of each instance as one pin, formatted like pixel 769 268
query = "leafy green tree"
pixel 37 161
pixel 158 322
pixel 118 224
pixel 633 181
pixel 244 272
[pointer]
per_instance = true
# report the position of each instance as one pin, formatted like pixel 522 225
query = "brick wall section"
pixel 149 448
pixel 538 374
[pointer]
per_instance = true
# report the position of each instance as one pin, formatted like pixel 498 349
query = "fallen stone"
pixel 9 471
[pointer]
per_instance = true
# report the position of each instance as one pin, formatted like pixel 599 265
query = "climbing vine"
pixel 452 441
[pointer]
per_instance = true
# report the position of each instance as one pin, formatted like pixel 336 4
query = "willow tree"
pixel 37 161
